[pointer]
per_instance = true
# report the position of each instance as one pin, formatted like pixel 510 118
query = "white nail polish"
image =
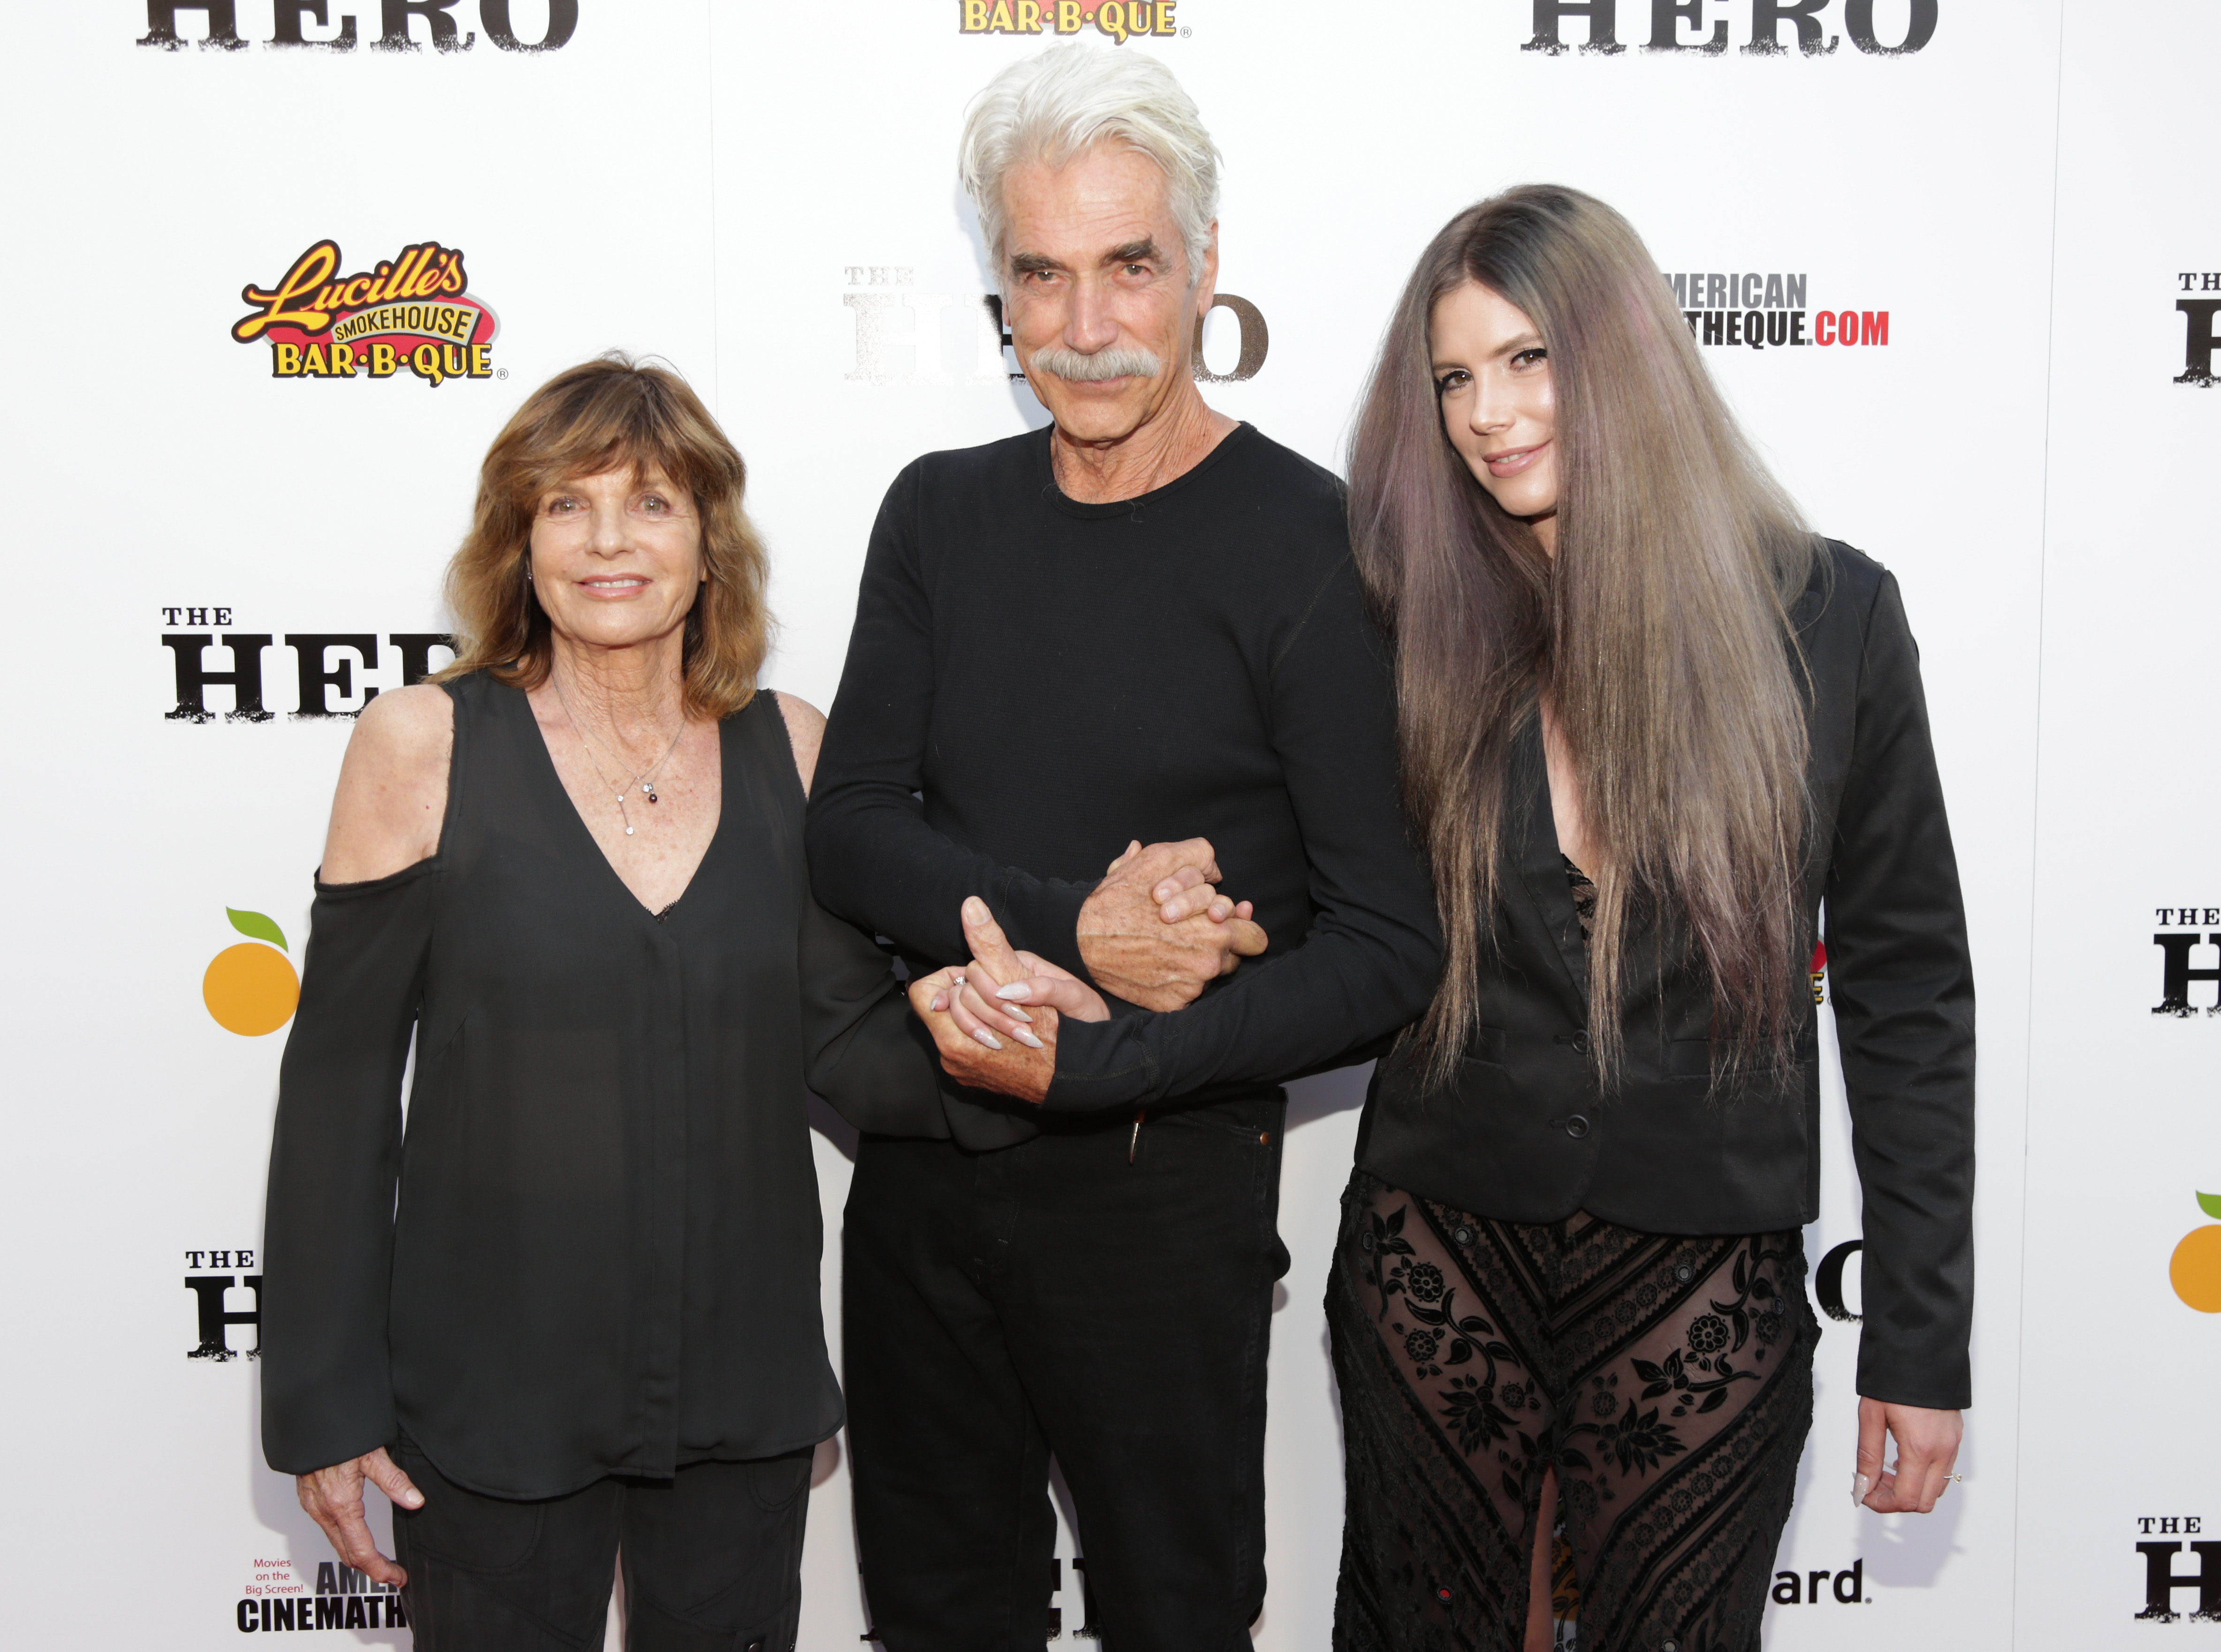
pixel 1015 1013
pixel 1030 1042
pixel 1860 1486
pixel 1014 990
pixel 987 1038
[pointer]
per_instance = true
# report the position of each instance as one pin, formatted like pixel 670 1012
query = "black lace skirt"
pixel 1668 1380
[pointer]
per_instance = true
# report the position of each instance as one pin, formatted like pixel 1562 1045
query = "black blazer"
pixel 1523 1133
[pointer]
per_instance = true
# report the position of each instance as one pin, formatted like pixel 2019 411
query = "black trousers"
pixel 712 1558
pixel 1054 1297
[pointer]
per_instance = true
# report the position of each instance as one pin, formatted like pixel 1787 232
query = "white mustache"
pixel 1116 363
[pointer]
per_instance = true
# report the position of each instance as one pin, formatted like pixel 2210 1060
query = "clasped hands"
pixel 1155 932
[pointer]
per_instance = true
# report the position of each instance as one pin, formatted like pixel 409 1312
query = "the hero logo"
pixel 222 21
pixel 2183 930
pixel 2202 327
pixel 1679 26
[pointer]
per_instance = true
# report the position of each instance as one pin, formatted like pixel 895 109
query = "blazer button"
pixel 1580 1041
pixel 1577 1127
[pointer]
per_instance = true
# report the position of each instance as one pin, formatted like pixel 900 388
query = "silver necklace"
pixel 645 779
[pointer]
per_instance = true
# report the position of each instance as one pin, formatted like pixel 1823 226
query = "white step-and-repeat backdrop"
pixel 1957 262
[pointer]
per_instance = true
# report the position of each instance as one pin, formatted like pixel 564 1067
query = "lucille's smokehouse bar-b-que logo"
pixel 410 311
pixel 1119 20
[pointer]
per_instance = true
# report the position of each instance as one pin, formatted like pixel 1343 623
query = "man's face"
pixel 1096 283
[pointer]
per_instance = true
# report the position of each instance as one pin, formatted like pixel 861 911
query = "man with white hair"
pixel 1140 625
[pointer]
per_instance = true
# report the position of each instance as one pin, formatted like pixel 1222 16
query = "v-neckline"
pixel 1541 862
pixel 553 776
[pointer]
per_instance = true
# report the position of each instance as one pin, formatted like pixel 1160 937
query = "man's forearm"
pixel 875 861
pixel 1319 1006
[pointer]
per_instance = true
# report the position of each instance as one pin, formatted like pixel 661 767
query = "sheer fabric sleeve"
pixel 1902 979
pixel 334 1160
pixel 867 1055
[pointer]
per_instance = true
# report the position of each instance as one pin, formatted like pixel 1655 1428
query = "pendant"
pixel 651 792
pixel 628 831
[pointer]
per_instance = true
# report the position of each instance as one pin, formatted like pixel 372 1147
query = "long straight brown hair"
pixel 602 416
pixel 1659 630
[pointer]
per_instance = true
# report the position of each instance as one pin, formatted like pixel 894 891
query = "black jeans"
pixel 712 1558
pixel 1054 1297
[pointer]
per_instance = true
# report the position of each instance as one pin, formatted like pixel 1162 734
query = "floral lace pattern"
pixel 1584 895
pixel 1667 1379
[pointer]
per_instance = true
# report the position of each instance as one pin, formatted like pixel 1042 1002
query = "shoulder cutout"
pixel 393 786
pixel 805 731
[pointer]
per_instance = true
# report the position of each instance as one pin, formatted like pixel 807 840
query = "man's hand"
pixel 964 1008
pixel 1927 1446
pixel 1154 932
pixel 332 1498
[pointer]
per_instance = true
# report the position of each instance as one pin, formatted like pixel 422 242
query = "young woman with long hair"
pixel 1651 727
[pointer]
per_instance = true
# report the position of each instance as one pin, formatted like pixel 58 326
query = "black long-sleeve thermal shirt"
pixel 1033 681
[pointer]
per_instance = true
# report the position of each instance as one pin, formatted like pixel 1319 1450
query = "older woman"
pixel 574 869
pixel 1650 723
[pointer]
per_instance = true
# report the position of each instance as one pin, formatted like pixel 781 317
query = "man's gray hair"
pixel 1053 105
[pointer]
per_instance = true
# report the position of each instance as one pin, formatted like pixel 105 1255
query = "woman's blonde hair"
pixel 1659 629
pixel 600 417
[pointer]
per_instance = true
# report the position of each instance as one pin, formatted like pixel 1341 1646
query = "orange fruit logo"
pixel 250 989
pixel 2195 1273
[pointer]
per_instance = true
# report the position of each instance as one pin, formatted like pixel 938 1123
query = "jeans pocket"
pixel 1256 1119
pixel 775 1482
pixel 466 1528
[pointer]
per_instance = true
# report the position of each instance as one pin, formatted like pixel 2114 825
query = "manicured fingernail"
pixel 1014 990
pixel 975 911
pixel 1016 1014
pixel 1860 1486
pixel 1028 1041
pixel 986 1038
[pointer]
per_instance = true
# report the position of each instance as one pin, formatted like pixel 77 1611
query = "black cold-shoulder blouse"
pixel 602 1257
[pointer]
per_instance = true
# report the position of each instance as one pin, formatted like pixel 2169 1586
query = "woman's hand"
pixel 970 1012
pixel 1927 1446
pixel 332 1498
